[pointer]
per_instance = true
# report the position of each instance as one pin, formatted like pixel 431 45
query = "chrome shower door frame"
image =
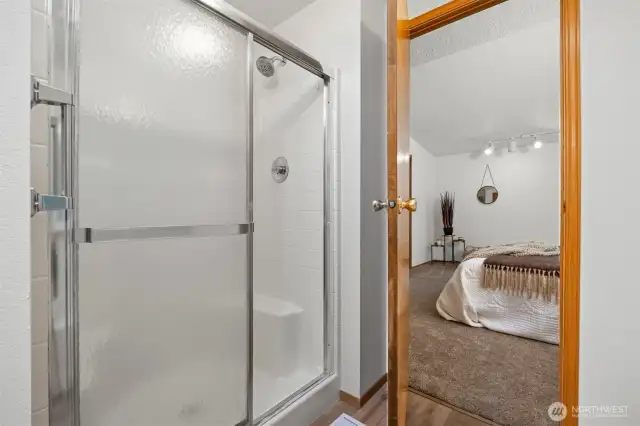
pixel 64 373
pixel 330 237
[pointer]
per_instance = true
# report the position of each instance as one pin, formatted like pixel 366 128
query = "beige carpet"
pixel 509 380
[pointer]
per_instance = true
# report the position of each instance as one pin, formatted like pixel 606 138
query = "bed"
pixel 466 299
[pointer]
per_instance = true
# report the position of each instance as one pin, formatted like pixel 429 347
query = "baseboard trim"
pixel 453 407
pixel 373 389
pixel 356 402
pixel 353 401
pixel 421 264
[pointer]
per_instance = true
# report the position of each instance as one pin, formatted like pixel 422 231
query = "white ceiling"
pixel 270 12
pixel 479 84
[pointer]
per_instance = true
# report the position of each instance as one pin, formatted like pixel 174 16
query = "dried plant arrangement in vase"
pixel 447 204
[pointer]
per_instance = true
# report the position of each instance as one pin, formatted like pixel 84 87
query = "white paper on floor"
pixel 345 420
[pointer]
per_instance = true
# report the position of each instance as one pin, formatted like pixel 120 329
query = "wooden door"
pixel 398 187
pixel 410 216
pixel 400 31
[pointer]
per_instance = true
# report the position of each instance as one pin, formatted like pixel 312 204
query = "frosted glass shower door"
pixel 289 238
pixel 163 299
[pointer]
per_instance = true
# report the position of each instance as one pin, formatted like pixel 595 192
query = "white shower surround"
pixel 111 266
pixel 308 406
pixel 289 236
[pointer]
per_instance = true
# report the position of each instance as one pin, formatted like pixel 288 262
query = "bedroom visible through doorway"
pixel 485 157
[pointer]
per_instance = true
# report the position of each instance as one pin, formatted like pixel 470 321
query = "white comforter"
pixel 463 299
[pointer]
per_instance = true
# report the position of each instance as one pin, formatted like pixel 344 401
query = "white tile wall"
pixel 40 125
pixel 39 44
pixel 39 310
pixel 289 217
pixel 41 68
pixel 39 377
pixel 39 5
pixel 39 250
pixel 40 418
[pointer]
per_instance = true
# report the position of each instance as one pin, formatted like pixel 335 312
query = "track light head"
pixel 489 149
pixel 537 144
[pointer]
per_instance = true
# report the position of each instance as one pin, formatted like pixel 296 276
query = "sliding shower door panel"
pixel 289 240
pixel 163 104
pixel 163 229
pixel 162 332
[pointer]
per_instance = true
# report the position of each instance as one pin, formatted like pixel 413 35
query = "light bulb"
pixel 489 149
pixel 537 144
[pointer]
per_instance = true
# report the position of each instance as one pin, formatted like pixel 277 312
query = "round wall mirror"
pixel 487 194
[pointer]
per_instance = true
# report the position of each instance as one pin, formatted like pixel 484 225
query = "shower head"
pixel 266 65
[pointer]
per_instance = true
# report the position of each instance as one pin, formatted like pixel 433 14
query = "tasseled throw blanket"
pixel 528 269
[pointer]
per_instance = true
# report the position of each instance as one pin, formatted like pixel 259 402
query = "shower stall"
pixel 193 247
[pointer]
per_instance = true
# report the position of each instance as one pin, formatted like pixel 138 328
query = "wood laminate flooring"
pixel 421 411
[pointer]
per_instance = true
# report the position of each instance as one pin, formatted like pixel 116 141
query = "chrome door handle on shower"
pixel 381 205
pixel 47 203
pixel 43 94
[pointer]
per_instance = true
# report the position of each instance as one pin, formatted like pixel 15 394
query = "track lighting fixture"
pixel 537 144
pixel 512 142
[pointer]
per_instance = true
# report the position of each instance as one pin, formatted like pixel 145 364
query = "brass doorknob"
pixel 411 205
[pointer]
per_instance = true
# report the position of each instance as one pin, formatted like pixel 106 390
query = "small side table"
pixel 454 240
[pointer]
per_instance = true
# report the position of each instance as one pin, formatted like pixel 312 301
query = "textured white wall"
pixel 15 340
pixel 528 205
pixel 373 242
pixel 609 349
pixel 425 221
pixel 330 30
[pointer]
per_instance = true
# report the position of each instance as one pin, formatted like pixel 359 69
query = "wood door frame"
pixel 410 216
pixel 398 44
pixel 400 28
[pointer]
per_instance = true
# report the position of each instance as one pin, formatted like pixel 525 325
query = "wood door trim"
pixel 570 177
pixel 571 139
pixel 397 285
pixel 410 216
pixel 447 14
pixel 393 27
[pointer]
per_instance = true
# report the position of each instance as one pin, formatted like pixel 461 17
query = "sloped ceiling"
pixel 490 76
pixel 270 12
pixel 491 24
